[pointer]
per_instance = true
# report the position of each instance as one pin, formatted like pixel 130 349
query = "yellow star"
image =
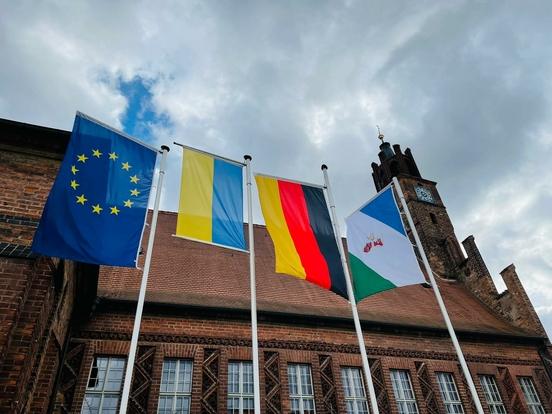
pixel 97 209
pixel 82 158
pixel 113 156
pixel 81 199
pixel 74 169
pixel 96 153
pixel 74 184
pixel 134 179
pixel 126 166
pixel 134 192
pixel 129 203
pixel 114 210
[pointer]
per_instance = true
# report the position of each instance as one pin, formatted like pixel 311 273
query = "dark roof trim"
pixel 107 304
pixel 33 139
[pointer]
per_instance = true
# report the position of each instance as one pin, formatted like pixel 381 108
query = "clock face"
pixel 424 194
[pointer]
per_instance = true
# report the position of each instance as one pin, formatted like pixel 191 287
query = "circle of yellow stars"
pixel 97 208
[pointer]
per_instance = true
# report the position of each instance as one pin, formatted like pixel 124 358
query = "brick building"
pixel 65 327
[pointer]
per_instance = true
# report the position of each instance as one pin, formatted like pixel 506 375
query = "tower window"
pixel 433 218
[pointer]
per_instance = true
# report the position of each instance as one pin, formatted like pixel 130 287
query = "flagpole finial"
pixel 165 148
pixel 324 167
pixel 380 135
pixel 247 157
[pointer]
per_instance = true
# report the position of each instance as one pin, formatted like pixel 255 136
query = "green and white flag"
pixel 380 253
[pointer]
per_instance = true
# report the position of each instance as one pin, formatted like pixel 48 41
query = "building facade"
pixel 65 327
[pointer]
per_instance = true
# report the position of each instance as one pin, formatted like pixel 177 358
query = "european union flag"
pixel 96 210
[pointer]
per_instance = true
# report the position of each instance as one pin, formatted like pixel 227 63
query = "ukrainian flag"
pixel 211 200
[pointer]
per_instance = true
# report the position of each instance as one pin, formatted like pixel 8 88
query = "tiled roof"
pixel 191 273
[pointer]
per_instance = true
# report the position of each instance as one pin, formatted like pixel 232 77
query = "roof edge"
pixel 307 320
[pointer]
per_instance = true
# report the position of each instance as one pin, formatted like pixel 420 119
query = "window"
pixel 404 395
pixel 492 396
pixel 103 390
pixel 176 387
pixel 301 393
pixel 355 397
pixel 531 396
pixel 240 388
pixel 449 392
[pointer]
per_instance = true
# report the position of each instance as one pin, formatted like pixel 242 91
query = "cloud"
pixel 465 85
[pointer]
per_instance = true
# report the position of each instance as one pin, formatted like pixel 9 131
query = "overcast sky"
pixel 466 85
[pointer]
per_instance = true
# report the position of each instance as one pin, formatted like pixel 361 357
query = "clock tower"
pixel 426 206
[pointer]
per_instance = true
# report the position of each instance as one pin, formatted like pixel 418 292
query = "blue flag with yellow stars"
pixel 96 210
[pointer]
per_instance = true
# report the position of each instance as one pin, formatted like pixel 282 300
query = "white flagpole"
pixel 360 337
pixel 143 285
pixel 442 307
pixel 253 288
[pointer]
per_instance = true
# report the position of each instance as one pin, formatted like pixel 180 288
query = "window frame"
pixel 400 401
pixel 103 392
pixel 347 372
pixel 299 385
pixel 535 407
pixel 490 391
pixel 175 394
pixel 241 395
pixel 446 392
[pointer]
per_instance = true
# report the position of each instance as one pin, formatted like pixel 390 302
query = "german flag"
pixel 298 221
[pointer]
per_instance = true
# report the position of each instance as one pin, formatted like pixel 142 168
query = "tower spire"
pixel 380 135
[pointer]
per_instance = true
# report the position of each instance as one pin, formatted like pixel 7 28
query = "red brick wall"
pixel 34 315
pixel 188 337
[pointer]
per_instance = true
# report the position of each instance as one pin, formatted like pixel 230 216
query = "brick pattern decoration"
pixel 515 404
pixel 378 379
pixel 306 345
pixel 15 250
pixel 210 381
pixel 11 244
pixel 544 384
pixel 428 389
pixel 141 380
pixel 273 385
pixel 471 403
pixel 328 384
pixel 69 376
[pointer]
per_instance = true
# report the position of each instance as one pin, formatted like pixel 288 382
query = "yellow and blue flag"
pixel 96 210
pixel 211 200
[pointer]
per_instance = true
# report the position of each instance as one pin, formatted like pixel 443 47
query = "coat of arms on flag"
pixel 381 256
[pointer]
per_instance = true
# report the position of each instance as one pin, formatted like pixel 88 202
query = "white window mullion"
pixel 300 388
pixel 404 392
pixel 531 397
pixel 492 395
pixel 100 389
pixel 303 395
pixel 170 388
pixel 240 386
pixel 355 397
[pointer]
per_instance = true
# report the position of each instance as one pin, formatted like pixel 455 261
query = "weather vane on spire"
pixel 380 135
